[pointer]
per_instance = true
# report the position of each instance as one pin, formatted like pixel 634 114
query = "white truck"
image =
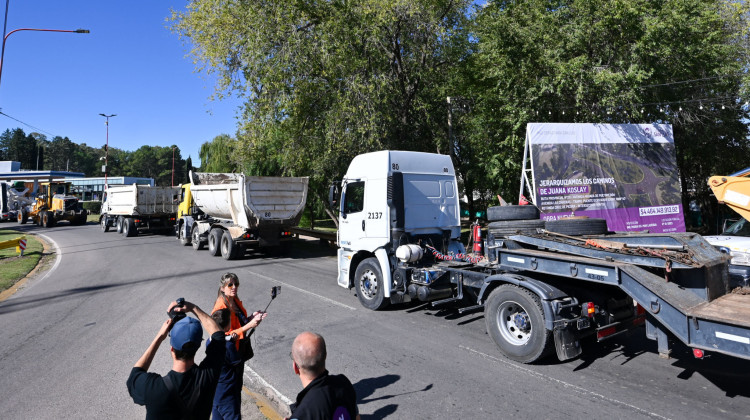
pixel 139 208
pixel 231 212
pixel 543 285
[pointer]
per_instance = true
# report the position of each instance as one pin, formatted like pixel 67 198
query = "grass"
pixel 13 267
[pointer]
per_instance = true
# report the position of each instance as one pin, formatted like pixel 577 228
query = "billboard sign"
pixel 624 173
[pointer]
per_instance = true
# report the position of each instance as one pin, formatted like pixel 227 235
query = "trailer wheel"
pixel 104 224
pixel 515 320
pixel 512 212
pixel 228 247
pixel 369 282
pixel 577 226
pixel 214 241
pixel 22 217
pixel 128 228
pixel 195 238
pixel 118 224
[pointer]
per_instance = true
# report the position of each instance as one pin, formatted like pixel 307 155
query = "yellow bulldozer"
pixel 52 205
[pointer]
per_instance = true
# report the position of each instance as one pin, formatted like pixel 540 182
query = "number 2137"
pixel 374 214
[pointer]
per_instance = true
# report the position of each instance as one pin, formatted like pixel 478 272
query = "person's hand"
pixel 185 308
pixel 164 330
pixel 257 317
pixel 233 337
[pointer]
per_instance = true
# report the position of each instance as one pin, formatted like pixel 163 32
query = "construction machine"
pixel 52 205
pixel 734 191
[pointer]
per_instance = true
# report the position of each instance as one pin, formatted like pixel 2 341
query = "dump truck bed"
pixel 250 201
pixel 141 200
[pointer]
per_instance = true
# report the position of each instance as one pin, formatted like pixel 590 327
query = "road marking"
pixel 58 253
pixel 563 383
pixel 351 308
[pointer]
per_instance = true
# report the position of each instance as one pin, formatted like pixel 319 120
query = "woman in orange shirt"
pixel 239 323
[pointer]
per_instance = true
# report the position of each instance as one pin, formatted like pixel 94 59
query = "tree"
pixel 325 81
pixel 613 61
pixel 218 155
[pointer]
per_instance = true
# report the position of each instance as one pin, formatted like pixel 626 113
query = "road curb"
pixel 279 403
pixel 46 245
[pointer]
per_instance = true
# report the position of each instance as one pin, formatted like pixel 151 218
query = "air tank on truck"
pixel 231 212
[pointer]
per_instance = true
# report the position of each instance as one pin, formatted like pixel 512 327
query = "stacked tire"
pixel 513 220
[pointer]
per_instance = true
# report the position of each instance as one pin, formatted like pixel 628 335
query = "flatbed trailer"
pixel 544 286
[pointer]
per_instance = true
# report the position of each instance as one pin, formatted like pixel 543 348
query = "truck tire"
pixel 512 212
pixel 184 240
pixel 104 224
pixel 368 279
pixel 214 241
pixel 118 224
pixel 228 247
pixel 515 320
pixel 22 217
pixel 128 228
pixel 513 227
pixel 195 238
pixel 577 226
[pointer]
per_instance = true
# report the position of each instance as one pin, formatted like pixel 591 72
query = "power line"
pixel 28 125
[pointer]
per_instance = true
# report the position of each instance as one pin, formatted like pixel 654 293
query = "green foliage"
pixel 94 207
pixel 612 61
pixel 219 155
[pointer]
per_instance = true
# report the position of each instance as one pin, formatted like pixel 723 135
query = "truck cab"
pixel 389 199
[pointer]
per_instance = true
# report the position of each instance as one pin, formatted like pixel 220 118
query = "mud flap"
pixel 567 345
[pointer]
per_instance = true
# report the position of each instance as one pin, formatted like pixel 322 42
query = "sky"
pixel 130 65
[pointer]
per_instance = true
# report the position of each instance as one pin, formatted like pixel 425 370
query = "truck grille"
pixel 71 205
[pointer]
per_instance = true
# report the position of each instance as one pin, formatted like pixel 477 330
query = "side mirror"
pixel 333 195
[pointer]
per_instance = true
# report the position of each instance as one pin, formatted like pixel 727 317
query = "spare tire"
pixel 513 227
pixel 577 226
pixel 512 212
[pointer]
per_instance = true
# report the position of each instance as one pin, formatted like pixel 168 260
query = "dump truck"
pixel 544 286
pixel 53 205
pixel 133 209
pixel 230 212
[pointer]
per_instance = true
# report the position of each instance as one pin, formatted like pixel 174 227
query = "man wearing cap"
pixel 187 391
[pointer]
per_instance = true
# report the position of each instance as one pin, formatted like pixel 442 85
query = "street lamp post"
pixel 5 38
pixel 106 151
pixel 173 166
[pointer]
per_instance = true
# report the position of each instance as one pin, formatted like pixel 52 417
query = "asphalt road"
pixel 69 339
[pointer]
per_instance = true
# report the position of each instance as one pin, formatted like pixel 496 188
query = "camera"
pixel 176 316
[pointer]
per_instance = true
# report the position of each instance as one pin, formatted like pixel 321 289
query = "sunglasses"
pixel 232 284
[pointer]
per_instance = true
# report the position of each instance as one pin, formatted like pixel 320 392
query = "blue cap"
pixel 186 334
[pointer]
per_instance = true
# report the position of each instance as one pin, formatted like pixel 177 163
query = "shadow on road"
pixel 367 387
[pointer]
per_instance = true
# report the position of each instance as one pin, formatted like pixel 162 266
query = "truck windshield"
pixel 738 228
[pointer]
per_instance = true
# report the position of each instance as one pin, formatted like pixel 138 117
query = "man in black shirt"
pixel 325 396
pixel 187 391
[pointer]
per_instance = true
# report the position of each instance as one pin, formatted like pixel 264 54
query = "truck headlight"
pixel 739 258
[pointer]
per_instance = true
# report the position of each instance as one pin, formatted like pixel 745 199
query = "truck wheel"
pixel 214 241
pixel 22 217
pixel 184 240
pixel 118 224
pixel 577 226
pixel 128 228
pixel 105 225
pixel 515 321
pixel 228 247
pixel 512 212
pixel 195 238
pixel 369 282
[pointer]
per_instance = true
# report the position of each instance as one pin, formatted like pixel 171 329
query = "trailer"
pixel 133 209
pixel 544 286
pixel 232 212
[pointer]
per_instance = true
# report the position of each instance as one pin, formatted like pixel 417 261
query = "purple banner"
pixel 625 174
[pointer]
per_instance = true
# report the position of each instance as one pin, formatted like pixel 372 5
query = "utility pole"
pixel 105 169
